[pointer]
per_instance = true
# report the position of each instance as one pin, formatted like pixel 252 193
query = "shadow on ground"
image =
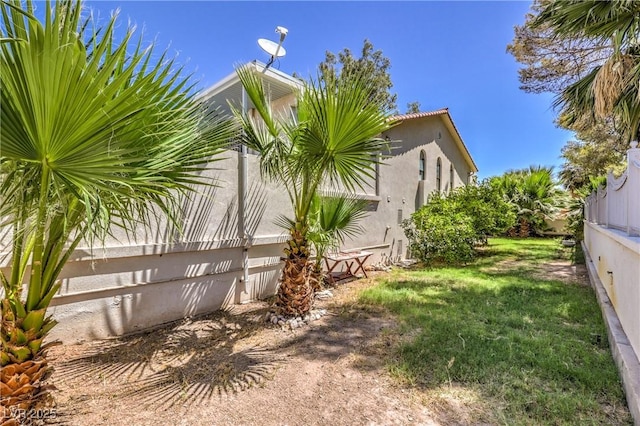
pixel 187 362
pixel 191 362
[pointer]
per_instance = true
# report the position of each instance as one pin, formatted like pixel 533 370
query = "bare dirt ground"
pixel 233 368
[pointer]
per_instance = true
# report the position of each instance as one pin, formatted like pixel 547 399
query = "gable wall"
pixel 400 187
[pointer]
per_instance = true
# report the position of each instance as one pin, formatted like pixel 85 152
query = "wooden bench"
pixel 349 259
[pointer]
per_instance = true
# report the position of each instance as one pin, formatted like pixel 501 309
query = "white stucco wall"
pixel 616 257
pixel 399 183
pixel 160 274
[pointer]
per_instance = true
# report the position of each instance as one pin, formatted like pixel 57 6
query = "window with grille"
pixel 439 175
pixel 451 176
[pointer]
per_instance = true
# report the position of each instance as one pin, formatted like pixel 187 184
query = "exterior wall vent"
pixel 399 216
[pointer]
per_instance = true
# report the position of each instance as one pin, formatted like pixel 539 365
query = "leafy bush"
pixel 575 218
pixel 440 237
pixel 490 214
pixel 449 227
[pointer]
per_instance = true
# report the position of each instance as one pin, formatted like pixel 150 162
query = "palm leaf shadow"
pixel 187 362
pixel 256 205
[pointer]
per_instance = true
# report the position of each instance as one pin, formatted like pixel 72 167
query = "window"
pixel 439 175
pixel 451 176
pixel 423 164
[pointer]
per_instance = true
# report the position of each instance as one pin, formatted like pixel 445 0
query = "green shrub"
pixel 535 196
pixel 445 238
pixel 575 206
pixel 448 228
pixel 490 214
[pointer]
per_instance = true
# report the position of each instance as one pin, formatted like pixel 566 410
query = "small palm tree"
pixel 333 219
pixel 94 136
pixel 333 140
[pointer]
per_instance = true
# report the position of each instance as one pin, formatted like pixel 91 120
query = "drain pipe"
pixel 243 177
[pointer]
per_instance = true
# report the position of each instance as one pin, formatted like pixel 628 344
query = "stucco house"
pixel 429 156
pixel 426 154
pixel 229 250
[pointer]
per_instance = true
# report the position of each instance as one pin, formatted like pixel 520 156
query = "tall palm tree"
pixel 333 140
pixel 611 89
pixel 96 134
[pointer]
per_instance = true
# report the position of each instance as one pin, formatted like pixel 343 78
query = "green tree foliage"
pixel 372 63
pixel 413 107
pixel 552 61
pixel 435 238
pixel 535 195
pixel 609 89
pixel 587 54
pixel 449 227
pixel 594 152
pixel 575 206
pixel 96 134
pixel 490 214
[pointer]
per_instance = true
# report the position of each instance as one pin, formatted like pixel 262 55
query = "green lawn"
pixel 533 347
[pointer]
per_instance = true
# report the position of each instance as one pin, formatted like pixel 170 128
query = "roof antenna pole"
pixel 275 50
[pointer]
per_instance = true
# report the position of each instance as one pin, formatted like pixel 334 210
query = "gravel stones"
pixel 297 322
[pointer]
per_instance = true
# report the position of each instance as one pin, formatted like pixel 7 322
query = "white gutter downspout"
pixel 243 177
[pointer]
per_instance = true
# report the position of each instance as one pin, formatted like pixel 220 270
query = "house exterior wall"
pixel 161 274
pixel 400 185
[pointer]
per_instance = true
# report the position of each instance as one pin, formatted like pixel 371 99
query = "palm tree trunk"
pixel 525 228
pixel 25 368
pixel 295 293
pixel 317 277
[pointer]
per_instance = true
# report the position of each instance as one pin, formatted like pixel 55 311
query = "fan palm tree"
pixel 538 199
pixel 611 89
pixel 95 135
pixel 333 219
pixel 535 196
pixel 333 140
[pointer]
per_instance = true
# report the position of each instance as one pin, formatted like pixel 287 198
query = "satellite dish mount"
pixel 275 50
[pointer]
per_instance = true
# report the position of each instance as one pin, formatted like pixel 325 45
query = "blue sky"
pixel 443 54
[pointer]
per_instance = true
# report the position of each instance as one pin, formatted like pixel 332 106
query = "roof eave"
pixel 258 66
pixel 444 112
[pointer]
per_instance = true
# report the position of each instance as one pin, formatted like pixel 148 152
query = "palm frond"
pixel 93 136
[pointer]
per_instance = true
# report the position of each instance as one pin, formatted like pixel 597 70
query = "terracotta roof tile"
pixel 445 112
pixel 419 114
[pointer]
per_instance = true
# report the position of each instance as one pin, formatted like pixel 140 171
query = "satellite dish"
pixel 273 49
